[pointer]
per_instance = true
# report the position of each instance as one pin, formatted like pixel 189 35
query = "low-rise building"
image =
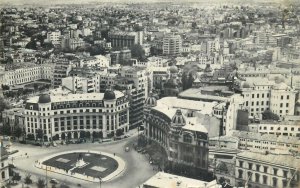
pixel 272 143
pixel 4 178
pixel 266 170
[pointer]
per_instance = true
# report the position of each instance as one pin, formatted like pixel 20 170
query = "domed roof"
pixel 151 100
pixel 109 95
pixel 44 98
pixel 178 119
pixel 173 69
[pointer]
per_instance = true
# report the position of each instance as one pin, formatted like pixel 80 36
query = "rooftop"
pixel 165 180
pixel 266 137
pixel 76 97
pixel 284 160
pixel 195 94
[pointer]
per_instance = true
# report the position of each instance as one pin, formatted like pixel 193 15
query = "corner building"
pixel 185 143
pixel 73 116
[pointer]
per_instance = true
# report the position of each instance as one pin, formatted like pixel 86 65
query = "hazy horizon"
pixel 57 2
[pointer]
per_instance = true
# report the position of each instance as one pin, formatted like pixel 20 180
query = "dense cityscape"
pixel 150 95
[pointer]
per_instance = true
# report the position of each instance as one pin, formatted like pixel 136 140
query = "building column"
pixel 72 135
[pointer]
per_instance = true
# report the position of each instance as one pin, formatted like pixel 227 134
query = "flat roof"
pixel 76 97
pixel 194 93
pixel 284 160
pixel 266 137
pixel 166 180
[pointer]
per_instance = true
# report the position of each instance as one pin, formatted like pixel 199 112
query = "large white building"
pixel 172 44
pixel 261 94
pixel 78 84
pixel 54 37
pixel 28 74
pixel 73 116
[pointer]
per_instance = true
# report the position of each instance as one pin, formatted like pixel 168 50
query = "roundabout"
pixel 86 165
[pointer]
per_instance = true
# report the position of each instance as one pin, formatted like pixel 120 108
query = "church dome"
pixel 173 69
pixel 109 95
pixel 150 101
pixel 44 98
pixel 178 119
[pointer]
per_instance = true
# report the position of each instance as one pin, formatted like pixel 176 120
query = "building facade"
pixel 28 74
pixel 125 39
pixel 263 170
pixel 172 44
pixel 74 116
pixel 4 178
pixel 185 143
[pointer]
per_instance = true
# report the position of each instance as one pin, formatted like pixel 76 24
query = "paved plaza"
pixel 137 170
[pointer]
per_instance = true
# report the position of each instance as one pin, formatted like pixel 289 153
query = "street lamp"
pixel 100 181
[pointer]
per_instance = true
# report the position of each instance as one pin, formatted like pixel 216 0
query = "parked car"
pixel 54 181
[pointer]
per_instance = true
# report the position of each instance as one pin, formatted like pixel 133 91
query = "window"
pixel 240 173
pixel 268 95
pixel 3 175
pixel 241 163
pixel 257 95
pixel 256 177
pixel 281 97
pixel 287 97
pixel 287 104
pixel 285 173
pixel 275 170
pixel 250 166
pixel 252 95
pixel 257 168
pixel 274 182
pixel 187 138
pixel 265 179
pixel 265 169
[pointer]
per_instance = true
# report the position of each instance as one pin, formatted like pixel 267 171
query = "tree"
pixel 138 52
pixel 39 134
pixel 28 179
pixel 184 81
pixel 119 132
pixel 190 80
pixel 31 45
pixel 16 177
pixel 269 115
pixel 6 130
pixel 41 183
pixel 30 137
pixel 18 132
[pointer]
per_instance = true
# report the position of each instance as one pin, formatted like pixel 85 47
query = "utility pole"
pixel 46 176
pixel 100 181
